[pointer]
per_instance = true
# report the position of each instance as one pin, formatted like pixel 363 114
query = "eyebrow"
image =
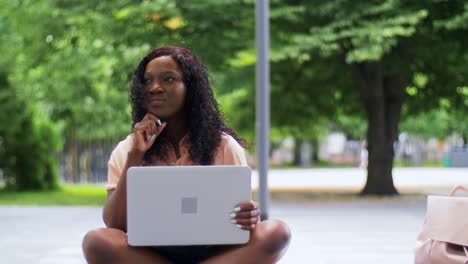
pixel 166 72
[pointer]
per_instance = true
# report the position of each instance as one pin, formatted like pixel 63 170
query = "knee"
pixel 97 247
pixel 274 236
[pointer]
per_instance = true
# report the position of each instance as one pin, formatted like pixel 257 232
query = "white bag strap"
pixel 457 188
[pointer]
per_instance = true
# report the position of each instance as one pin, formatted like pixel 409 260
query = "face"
pixel 164 89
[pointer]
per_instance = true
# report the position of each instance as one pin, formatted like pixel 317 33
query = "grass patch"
pixel 82 195
pixel 65 196
pixel 425 164
pixel 322 197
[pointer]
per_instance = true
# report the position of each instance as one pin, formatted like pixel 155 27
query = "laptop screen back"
pixel 185 205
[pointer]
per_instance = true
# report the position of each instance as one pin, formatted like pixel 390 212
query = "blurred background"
pixel 346 78
pixel 362 87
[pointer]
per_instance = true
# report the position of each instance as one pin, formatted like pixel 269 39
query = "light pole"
pixel 262 124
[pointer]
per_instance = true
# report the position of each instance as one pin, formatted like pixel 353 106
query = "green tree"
pixel 73 59
pixel 29 141
pixel 375 49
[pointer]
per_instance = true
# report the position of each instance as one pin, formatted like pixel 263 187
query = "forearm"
pixel 115 208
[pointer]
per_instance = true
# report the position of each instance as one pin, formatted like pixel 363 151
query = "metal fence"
pixel 458 156
pixel 85 162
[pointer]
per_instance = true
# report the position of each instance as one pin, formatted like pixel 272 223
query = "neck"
pixel 176 130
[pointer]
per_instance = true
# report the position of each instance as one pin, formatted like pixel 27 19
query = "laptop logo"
pixel 189 205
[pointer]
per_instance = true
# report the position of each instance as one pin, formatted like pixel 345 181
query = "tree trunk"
pixel 383 97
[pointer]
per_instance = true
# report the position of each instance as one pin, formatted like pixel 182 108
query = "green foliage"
pixel 82 57
pixel 428 124
pixel 440 123
pixel 29 140
pixel 318 42
pixel 353 126
pixel 73 60
pixel 361 30
pixel 28 145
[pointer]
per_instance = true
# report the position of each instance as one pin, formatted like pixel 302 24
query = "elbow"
pixel 111 221
pixel 106 218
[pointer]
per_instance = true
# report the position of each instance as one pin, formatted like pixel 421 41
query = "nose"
pixel 155 87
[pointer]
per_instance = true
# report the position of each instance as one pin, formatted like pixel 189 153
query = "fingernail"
pixel 159 122
pixel 232 215
pixel 152 137
pixel 233 221
pixel 253 226
pixel 237 209
pixel 239 226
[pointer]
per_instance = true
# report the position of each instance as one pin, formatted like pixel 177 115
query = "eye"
pixel 169 79
pixel 146 81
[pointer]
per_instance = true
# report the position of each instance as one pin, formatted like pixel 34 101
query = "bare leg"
pixel 109 245
pixel 267 244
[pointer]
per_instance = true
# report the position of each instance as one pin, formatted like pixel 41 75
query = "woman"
pixel 176 121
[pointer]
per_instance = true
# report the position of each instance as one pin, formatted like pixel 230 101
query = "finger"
pixel 152 126
pixel 160 128
pixel 139 126
pixel 244 215
pixel 246 227
pixel 158 122
pixel 139 131
pixel 255 204
pixel 246 206
pixel 148 116
pixel 148 131
pixel 155 118
pixel 139 136
pixel 151 132
pixel 245 222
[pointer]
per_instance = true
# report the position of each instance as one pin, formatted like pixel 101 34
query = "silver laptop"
pixel 185 205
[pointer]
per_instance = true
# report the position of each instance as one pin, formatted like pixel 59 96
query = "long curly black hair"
pixel 205 120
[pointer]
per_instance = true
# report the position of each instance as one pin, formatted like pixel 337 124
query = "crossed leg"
pixel 268 242
pixel 109 245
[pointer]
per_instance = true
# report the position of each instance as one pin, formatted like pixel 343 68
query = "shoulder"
pixel 230 152
pixel 227 141
pixel 125 143
pixel 122 148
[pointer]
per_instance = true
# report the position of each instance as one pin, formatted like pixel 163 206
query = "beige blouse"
pixel 229 152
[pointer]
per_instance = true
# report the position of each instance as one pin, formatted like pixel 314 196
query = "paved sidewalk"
pixel 342 229
pixel 362 232
pixel 353 233
pixel 353 179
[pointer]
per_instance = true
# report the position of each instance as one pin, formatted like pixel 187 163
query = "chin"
pixel 160 114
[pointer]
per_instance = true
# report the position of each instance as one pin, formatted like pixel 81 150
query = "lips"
pixel 156 100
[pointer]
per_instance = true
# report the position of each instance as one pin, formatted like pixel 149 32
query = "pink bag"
pixel 444 238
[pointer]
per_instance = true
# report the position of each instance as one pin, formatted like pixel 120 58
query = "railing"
pixel 86 162
pixel 458 156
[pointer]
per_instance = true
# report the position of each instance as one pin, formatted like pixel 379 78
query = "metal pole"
pixel 262 103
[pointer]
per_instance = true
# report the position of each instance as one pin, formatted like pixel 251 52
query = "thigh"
pixel 268 242
pixel 110 245
pixel 190 254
